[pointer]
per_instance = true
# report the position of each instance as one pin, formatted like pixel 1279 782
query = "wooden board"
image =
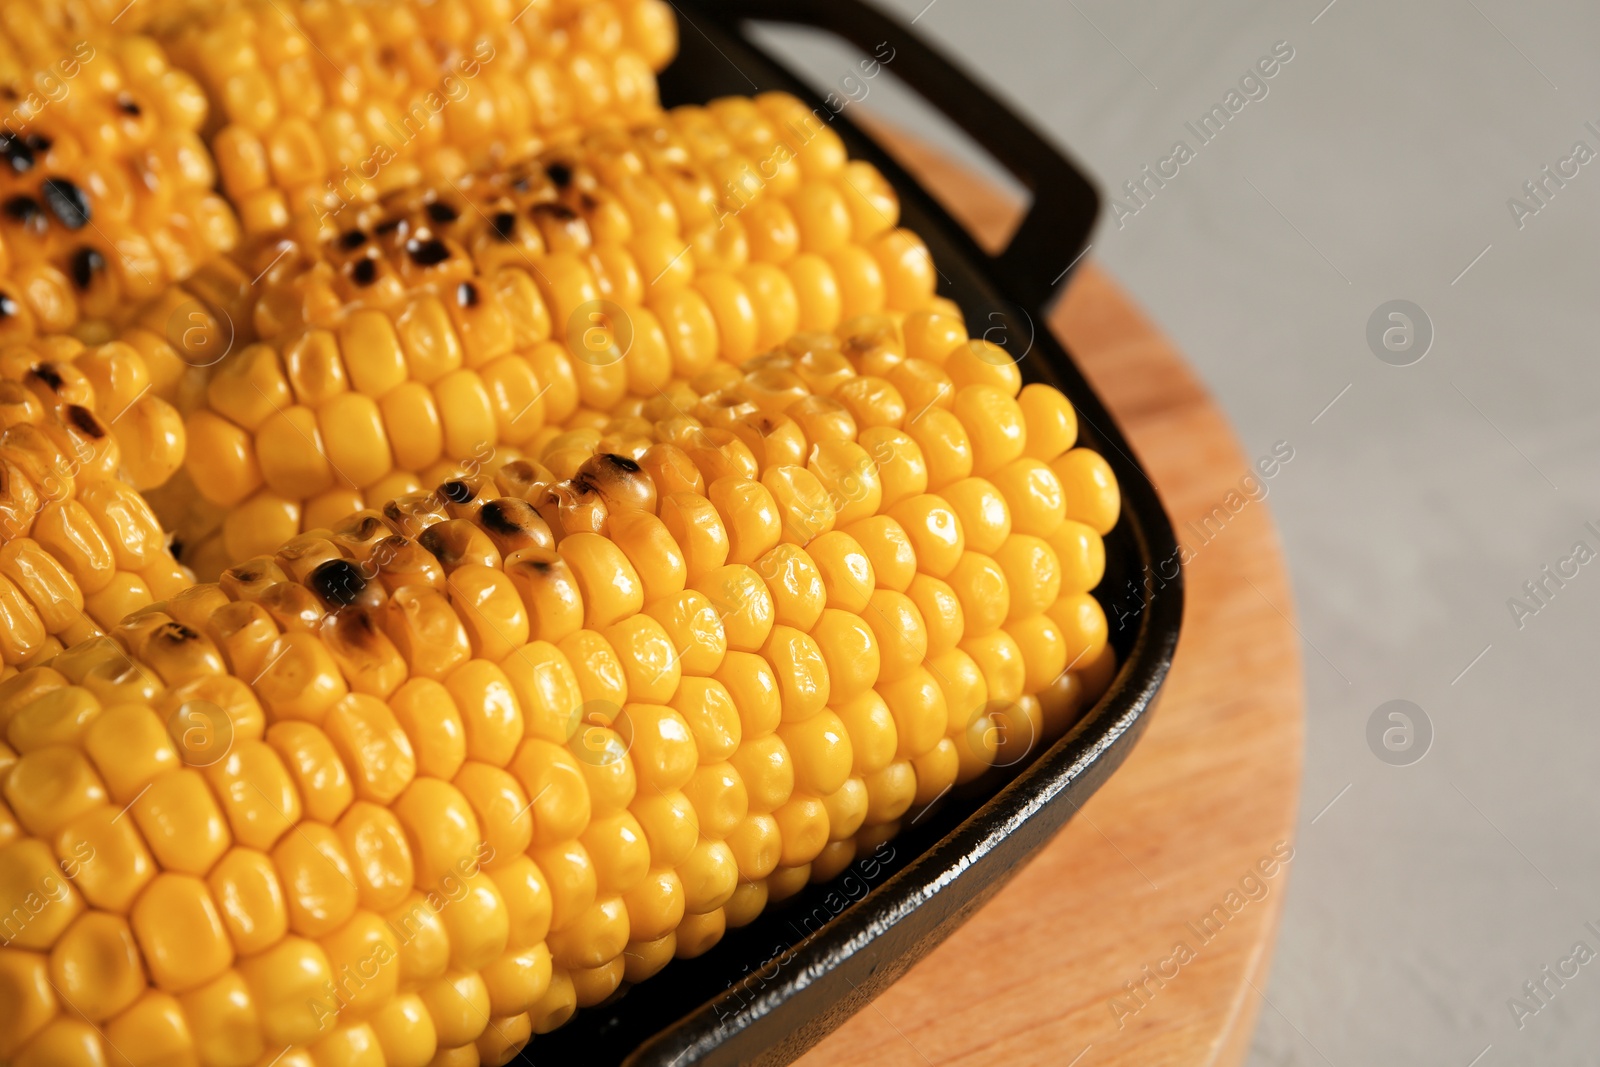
pixel 1039 975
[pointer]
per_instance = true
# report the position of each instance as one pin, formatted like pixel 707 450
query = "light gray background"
pixel 1379 167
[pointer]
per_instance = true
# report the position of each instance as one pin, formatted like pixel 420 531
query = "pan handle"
pixel 1065 204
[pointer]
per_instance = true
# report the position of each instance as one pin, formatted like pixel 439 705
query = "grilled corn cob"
pixel 79 548
pixel 470 321
pixel 414 788
pixel 319 105
pixel 106 197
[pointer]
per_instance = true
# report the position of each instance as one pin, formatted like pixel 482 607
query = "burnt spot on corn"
pixel 499 518
pixel 357 630
pixel 351 240
pixel 364 271
pixel 337 583
pixel 617 480
pixel 535 564
pixel 388 226
pixel 172 635
pixel 16 152
pixel 68 203
pixel 555 212
pixel 28 212
pixel 504 223
pixel 514 524
pixel 86 264
pixel 445 542
pixel 560 173
pixel 457 491
pixel 441 212
pixel 38 142
pixel 49 375
pixel 467 295
pixel 128 105
pixel 83 420
pixel 428 253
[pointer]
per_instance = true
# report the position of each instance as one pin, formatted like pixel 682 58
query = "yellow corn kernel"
pixel 182 823
pixel 250 898
pixel 181 933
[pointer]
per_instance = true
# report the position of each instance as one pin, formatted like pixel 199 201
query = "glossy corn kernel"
pixel 79 548
pixel 349 103
pixel 111 197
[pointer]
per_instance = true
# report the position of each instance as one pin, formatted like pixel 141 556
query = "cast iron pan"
pixel 771 990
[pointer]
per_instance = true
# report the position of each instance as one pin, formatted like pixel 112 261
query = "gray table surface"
pixel 1378 166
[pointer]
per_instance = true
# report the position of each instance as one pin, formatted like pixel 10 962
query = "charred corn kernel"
pixel 984 514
